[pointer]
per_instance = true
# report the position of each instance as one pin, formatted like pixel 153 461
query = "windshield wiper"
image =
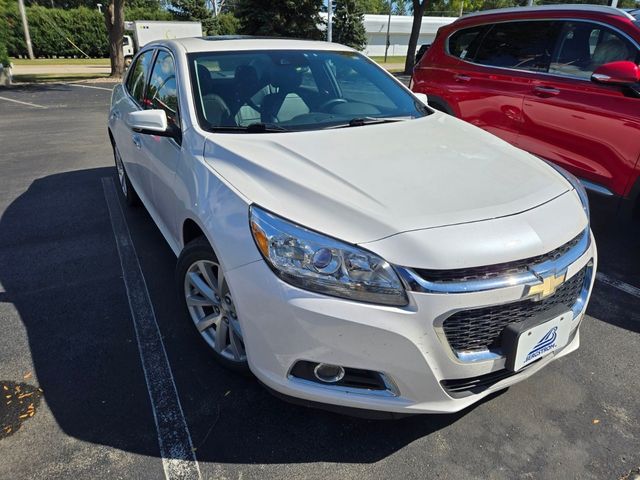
pixel 257 127
pixel 360 121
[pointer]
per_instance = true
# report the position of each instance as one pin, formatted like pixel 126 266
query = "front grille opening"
pixel 353 377
pixel 498 270
pixel 481 328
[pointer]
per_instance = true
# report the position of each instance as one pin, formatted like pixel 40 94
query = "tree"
pixel 281 18
pixel 114 21
pixel 400 7
pixel 419 6
pixel 376 7
pixel 348 25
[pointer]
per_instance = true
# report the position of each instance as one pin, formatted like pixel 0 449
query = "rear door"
pixel 499 62
pixel 591 130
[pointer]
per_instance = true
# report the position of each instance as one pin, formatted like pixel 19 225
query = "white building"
pixel 399 31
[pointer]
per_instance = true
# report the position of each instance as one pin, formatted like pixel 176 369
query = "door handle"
pixel 461 78
pixel 136 141
pixel 545 92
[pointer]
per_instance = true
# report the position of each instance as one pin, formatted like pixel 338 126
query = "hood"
pixel 362 184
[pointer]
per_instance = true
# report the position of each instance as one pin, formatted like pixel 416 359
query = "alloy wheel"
pixel 212 309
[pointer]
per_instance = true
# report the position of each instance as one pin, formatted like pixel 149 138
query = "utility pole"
pixel 529 3
pixel 386 48
pixel 329 20
pixel 25 27
pixel 614 3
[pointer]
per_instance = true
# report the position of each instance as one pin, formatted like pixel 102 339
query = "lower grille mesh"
pixel 481 328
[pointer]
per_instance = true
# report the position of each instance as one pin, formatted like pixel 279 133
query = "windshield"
pixel 282 90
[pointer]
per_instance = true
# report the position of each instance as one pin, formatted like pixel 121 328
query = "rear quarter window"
pixel 463 43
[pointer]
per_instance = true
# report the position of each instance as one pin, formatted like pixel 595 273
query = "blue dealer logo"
pixel 546 343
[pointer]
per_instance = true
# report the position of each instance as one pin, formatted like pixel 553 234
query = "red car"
pixel 561 82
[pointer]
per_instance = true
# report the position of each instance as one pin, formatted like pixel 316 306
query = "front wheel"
pixel 205 294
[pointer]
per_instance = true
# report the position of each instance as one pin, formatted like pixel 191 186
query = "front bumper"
pixel 283 324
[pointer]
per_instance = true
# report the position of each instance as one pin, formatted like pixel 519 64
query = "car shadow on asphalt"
pixel 60 269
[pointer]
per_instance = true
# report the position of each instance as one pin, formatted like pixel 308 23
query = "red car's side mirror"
pixel 617 73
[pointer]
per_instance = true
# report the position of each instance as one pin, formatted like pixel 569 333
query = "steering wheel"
pixel 325 107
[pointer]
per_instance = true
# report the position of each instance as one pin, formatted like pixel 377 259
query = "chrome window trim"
pixel 534 72
pixel 415 283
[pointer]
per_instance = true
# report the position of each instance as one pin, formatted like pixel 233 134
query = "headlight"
pixel 582 193
pixel 322 264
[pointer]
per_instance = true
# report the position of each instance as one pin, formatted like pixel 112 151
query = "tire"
pixel 205 297
pixel 128 192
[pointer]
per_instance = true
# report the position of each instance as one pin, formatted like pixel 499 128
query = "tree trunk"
pixel 419 6
pixel 114 21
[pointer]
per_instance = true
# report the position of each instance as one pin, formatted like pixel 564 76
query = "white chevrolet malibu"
pixel 347 244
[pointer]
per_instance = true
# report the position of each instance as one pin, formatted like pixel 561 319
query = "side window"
pixel 521 45
pixel 583 47
pixel 138 75
pixel 464 43
pixel 162 92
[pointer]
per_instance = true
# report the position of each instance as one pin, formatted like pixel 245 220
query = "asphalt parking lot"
pixel 79 406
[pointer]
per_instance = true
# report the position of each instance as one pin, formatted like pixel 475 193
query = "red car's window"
pixel 523 45
pixel 464 43
pixel 585 46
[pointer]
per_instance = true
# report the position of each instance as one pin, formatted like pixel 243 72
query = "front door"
pixel 163 152
pixel 591 130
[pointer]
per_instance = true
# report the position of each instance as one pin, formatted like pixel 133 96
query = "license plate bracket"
pixel 524 342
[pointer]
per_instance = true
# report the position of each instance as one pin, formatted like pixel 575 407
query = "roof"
pixel 239 43
pixel 555 8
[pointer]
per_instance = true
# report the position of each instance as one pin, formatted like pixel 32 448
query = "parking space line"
pixel 176 448
pixel 23 103
pixel 625 287
pixel 89 86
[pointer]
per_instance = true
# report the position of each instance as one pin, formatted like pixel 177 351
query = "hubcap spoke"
pixel 207 321
pixel 198 282
pixel 221 336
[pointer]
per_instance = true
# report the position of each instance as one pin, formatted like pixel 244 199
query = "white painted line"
pixel 88 86
pixel 625 287
pixel 23 103
pixel 176 448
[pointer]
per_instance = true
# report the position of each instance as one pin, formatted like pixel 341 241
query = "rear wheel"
pixel 205 294
pixel 128 192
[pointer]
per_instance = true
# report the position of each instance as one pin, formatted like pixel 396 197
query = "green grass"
pixel 61 61
pixel 390 59
pixel 56 77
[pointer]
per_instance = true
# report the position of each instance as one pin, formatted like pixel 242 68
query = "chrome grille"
pixel 497 270
pixel 481 328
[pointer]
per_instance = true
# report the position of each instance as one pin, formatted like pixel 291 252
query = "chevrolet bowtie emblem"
pixel 547 287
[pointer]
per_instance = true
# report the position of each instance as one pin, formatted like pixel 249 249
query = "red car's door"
pixel 592 130
pixel 488 70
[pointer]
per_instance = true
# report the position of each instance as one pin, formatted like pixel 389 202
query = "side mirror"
pixel 149 122
pixel 422 97
pixel 617 73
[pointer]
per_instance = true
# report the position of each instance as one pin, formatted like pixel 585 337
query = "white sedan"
pixel 344 242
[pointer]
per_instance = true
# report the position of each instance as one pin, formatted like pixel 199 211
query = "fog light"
pixel 328 373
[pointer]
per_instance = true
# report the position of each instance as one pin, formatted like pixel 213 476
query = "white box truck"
pixel 147 31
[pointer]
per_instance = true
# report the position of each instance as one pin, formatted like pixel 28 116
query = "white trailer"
pixel 147 31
